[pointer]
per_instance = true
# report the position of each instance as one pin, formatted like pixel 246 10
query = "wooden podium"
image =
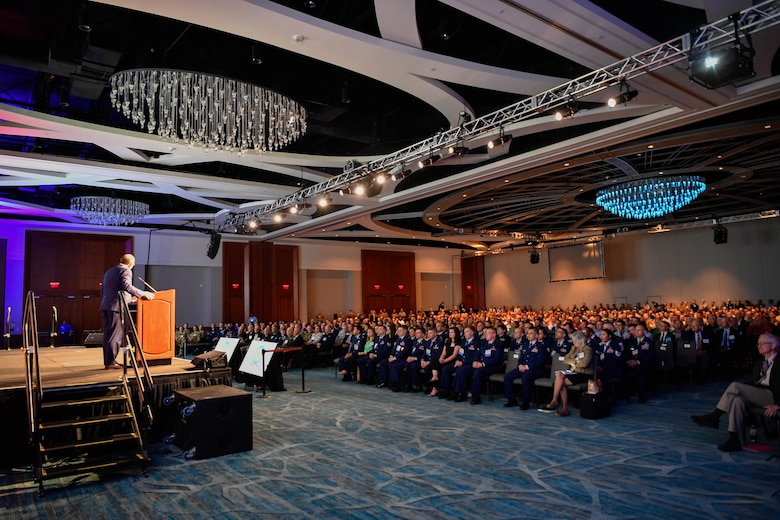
pixel 155 322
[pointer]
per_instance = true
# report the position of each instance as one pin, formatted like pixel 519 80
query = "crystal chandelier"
pixel 108 211
pixel 214 112
pixel 650 198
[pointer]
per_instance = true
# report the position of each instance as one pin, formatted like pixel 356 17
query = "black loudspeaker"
pixel 211 359
pixel 214 420
pixel 720 235
pixel 94 339
pixel 214 242
pixel 534 257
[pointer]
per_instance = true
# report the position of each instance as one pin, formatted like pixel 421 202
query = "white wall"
pixel 673 266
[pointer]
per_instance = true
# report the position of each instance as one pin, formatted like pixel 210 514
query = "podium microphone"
pixel 146 284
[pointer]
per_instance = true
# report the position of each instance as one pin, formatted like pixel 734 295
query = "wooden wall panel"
pixel 473 282
pixel 284 276
pixel 77 261
pixel 235 282
pixel 388 280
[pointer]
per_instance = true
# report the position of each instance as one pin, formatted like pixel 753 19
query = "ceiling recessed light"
pixel 767 127
pixel 464 195
pixel 650 146
pixel 566 164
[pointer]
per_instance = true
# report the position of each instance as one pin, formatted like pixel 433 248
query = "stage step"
pixel 114 439
pixel 85 402
pixel 103 419
pixel 54 471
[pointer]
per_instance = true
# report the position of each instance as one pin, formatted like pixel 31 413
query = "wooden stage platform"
pixel 64 366
pixel 78 365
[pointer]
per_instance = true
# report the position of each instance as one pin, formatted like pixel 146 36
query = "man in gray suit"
pixel 118 278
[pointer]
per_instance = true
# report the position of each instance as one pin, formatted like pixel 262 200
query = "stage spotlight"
pixel 625 94
pixel 457 150
pixel 277 218
pixel 252 224
pixel 323 202
pixel 500 141
pixel 568 110
pixel 294 209
pixel 723 66
pixel 359 189
pixel 380 179
pixel 422 163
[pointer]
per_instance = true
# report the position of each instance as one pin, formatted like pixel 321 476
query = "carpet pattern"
pixel 352 451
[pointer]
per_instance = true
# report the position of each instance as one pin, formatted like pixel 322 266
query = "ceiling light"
pixel 323 202
pixel 108 211
pixel 277 218
pixel 500 141
pixel 294 209
pixel 213 112
pixel 359 189
pixel 380 179
pixel 651 197
pixel 252 224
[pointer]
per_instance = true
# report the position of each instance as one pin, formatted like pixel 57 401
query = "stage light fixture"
pixel 359 189
pixel 457 150
pixel 625 94
pixel 277 218
pixel 725 65
pixel 500 141
pixel 422 163
pixel 568 110
pixel 323 202
pixel 294 209
pixel 380 179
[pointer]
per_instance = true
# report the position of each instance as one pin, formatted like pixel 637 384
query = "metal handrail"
pixel 132 353
pixel 34 388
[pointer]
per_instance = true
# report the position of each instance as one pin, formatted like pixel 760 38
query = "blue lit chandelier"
pixel 651 198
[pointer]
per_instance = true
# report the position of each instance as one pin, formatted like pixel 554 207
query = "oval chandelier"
pixel 108 211
pixel 214 112
pixel 652 197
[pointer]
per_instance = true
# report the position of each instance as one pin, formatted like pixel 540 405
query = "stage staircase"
pixel 88 428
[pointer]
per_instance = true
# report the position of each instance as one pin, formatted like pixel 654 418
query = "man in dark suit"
pixel 705 348
pixel 118 278
pixel 763 391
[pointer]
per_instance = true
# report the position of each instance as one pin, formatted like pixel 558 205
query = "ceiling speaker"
pixel 720 235
pixel 534 257
pixel 214 242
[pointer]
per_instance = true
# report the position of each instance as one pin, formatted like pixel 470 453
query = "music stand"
pixel 228 346
pixel 255 361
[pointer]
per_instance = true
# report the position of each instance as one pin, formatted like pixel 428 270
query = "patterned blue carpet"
pixel 352 451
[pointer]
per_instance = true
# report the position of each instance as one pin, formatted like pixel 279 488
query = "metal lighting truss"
pixel 752 20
